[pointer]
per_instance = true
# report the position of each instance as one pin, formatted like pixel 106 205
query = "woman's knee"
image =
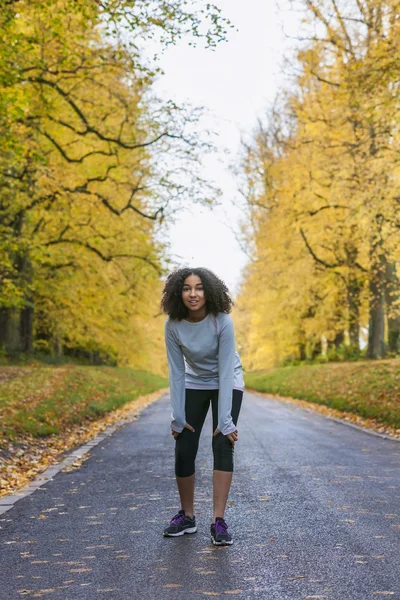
pixel 223 453
pixel 185 455
pixel 184 466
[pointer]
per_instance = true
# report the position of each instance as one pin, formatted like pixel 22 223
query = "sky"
pixel 234 83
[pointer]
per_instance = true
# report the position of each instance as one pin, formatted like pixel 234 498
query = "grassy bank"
pixel 370 389
pixel 46 411
pixel 41 400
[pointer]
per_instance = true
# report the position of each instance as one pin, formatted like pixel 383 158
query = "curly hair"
pixel 216 293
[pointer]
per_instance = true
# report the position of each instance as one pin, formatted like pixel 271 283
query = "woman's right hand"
pixel 176 433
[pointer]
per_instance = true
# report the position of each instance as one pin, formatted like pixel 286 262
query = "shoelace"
pixel 178 519
pixel 221 526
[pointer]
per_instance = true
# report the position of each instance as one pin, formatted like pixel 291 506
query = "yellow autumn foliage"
pixel 322 190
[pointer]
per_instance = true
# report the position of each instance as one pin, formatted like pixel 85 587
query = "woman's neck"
pixel 198 315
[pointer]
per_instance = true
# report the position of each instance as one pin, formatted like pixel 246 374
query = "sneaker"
pixel 219 533
pixel 180 524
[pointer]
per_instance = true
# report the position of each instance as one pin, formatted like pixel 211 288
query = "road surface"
pixel 314 510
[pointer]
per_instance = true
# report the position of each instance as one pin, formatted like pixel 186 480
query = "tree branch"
pixel 342 25
pixel 91 129
pixel 315 257
pixel 322 80
pixel 68 158
pixel 315 212
pixel 104 257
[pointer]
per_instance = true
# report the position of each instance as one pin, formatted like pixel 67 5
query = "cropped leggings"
pixel 187 442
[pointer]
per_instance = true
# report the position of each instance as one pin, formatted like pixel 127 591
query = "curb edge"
pixel 8 502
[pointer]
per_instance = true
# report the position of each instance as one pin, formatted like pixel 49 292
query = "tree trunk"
pixel 301 344
pixel 302 351
pixel 353 303
pixel 376 331
pixel 58 346
pixel 26 313
pixel 339 339
pixel 316 350
pixel 26 328
pixel 4 321
pixel 392 297
pixel 9 330
pixel 354 285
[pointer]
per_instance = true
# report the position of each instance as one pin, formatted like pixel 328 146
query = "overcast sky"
pixel 234 83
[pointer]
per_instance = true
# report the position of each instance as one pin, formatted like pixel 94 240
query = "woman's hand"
pixel 233 437
pixel 176 433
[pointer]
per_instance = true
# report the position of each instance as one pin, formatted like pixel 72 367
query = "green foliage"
pixel 371 390
pixel 45 400
pixel 344 353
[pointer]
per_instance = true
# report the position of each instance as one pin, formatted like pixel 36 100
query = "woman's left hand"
pixel 233 437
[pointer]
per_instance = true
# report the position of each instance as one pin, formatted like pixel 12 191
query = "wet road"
pixel 314 510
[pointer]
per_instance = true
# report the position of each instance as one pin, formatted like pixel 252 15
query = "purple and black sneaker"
pixel 180 524
pixel 219 533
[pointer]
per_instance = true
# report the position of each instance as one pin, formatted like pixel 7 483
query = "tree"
pixel 324 186
pixel 85 185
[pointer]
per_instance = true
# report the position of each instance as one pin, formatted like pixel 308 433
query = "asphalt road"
pixel 314 510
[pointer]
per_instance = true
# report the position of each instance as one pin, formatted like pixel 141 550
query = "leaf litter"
pixel 24 458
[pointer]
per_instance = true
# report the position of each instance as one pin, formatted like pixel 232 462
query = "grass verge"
pixel 46 411
pixel 40 401
pixel 368 389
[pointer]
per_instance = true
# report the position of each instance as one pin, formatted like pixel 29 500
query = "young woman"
pixel 203 367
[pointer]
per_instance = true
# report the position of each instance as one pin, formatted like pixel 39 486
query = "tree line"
pixel 321 180
pixel 92 166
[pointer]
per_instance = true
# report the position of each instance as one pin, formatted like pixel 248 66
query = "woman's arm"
pixel 176 369
pixel 226 361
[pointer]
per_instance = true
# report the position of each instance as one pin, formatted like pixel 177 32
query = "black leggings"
pixel 187 442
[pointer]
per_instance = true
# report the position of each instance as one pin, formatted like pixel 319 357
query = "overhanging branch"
pixel 315 257
pixel 104 257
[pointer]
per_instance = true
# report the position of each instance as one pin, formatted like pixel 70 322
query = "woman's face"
pixel 193 293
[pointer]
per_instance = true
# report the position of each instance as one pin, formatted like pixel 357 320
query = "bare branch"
pixel 333 37
pixel 70 159
pixel 315 257
pixel 342 25
pixel 104 257
pixel 315 212
pixel 83 189
pixel 91 129
pixel 323 80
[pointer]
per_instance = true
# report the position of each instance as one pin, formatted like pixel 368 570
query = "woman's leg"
pixel 186 493
pixel 187 443
pixel 223 456
pixel 221 485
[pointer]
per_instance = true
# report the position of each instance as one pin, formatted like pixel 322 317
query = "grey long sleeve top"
pixel 202 355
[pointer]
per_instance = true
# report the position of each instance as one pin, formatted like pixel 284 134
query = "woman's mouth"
pixel 193 301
